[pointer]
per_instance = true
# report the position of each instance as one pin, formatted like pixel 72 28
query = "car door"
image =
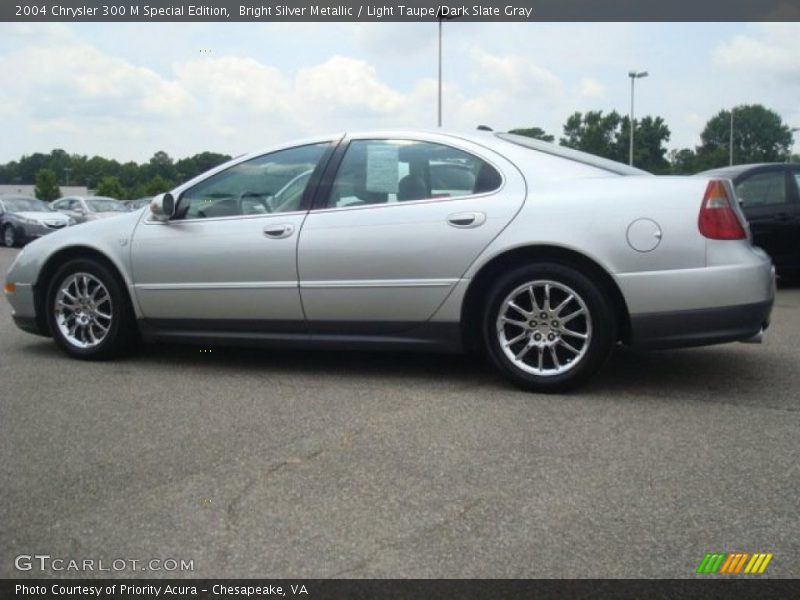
pixel 793 261
pixel 385 242
pixel 769 201
pixel 224 262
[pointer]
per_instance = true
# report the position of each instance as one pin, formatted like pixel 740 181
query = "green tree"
pixel 683 162
pixel 759 135
pixel 161 164
pixel 157 185
pixel 110 186
pixel 534 132
pixel 593 132
pixel 47 185
pixel 649 151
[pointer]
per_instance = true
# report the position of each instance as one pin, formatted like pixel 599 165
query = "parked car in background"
pixel 138 203
pixel 89 208
pixel 542 256
pixel 769 195
pixel 23 218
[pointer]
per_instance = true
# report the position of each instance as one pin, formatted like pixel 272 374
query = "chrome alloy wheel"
pixel 544 327
pixel 83 310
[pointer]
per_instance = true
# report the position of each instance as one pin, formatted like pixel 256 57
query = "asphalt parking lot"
pixel 313 464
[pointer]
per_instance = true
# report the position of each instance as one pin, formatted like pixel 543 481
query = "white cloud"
pixel 772 49
pixel 348 84
pixel 591 89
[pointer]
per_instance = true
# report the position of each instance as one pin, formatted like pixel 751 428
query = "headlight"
pixel 31 221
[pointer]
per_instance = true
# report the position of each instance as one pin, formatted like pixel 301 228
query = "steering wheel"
pixel 248 194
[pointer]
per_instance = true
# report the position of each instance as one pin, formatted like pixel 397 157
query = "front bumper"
pixel 31 232
pixel 23 309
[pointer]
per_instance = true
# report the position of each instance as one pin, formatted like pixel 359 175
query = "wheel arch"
pixel 55 262
pixel 478 290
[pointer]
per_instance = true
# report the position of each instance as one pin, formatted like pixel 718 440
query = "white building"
pixel 28 190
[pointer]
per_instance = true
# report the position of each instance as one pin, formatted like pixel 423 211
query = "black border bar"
pixel 709 587
pixel 397 10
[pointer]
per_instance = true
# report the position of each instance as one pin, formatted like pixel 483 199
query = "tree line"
pixel 759 135
pixel 106 177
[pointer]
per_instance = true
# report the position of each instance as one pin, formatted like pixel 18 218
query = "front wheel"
pixel 548 327
pixel 10 236
pixel 89 314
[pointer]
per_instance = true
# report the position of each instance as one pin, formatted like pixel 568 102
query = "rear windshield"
pixel 570 154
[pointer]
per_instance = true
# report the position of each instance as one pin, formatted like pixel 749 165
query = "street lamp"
pixel 730 142
pixel 789 154
pixel 440 16
pixel 634 76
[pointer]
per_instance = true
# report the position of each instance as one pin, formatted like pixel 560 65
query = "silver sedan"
pixel 542 257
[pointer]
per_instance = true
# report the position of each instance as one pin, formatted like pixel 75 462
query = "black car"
pixel 770 197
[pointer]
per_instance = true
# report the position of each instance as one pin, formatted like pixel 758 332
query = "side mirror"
pixel 163 207
pixel 80 210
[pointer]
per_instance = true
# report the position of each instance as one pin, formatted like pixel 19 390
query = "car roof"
pixel 733 171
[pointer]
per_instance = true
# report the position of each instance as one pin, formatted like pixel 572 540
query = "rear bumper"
pixel 700 327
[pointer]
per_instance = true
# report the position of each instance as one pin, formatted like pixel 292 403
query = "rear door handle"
pixel 278 231
pixel 466 220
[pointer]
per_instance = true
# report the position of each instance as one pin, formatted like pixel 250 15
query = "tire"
pixel 555 353
pixel 10 237
pixel 89 313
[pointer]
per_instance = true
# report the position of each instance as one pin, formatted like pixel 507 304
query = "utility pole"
pixel 634 76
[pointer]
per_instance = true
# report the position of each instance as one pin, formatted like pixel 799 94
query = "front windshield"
pixel 25 205
pixel 105 205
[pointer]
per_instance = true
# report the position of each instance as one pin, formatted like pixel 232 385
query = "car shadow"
pixel 716 370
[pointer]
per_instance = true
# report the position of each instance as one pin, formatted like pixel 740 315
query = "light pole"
pixel 730 142
pixel 634 76
pixel 789 154
pixel 66 175
pixel 440 16
pixel 439 120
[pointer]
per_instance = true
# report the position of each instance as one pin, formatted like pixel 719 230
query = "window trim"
pixel 323 191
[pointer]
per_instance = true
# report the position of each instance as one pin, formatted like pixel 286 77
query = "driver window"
pixel 273 183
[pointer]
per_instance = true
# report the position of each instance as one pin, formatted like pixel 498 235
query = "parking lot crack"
pixel 444 523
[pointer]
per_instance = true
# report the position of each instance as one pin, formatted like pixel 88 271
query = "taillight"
pixel 718 220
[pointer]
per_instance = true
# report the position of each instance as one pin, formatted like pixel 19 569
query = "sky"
pixel 127 90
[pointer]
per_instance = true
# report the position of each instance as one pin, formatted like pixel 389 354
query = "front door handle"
pixel 466 220
pixel 278 231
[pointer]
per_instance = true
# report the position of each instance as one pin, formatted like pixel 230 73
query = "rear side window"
pixel 389 171
pixel 762 189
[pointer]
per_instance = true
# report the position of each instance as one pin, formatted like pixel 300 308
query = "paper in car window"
pixel 382 168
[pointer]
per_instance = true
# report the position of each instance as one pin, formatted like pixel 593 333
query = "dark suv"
pixel 770 197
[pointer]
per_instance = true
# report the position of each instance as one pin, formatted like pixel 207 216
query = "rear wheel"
pixel 88 312
pixel 548 327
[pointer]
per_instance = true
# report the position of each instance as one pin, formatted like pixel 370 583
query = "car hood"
pixel 43 217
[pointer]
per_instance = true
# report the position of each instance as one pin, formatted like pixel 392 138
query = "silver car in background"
pixel 23 218
pixel 541 256
pixel 89 208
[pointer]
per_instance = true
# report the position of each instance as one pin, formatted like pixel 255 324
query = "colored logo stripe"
pixel 758 563
pixel 734 562
pixel 711 562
